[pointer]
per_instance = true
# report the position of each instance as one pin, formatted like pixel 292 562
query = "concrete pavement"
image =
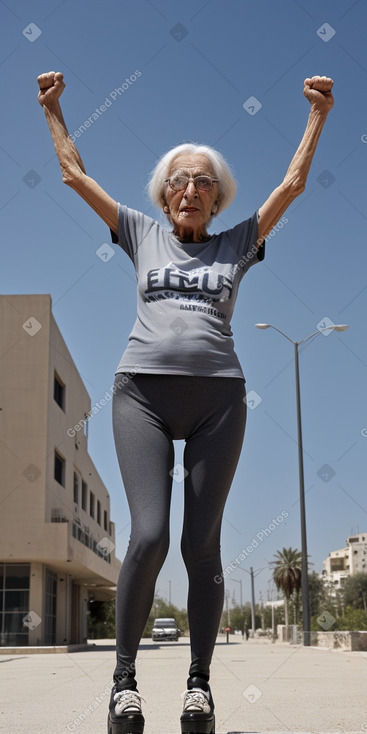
pixel 257 686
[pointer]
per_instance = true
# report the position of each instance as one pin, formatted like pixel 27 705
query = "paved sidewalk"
pixel 257 687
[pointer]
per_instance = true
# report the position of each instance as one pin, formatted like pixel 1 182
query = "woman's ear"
pixel 166 210
pixel 215 206
pixel 163 203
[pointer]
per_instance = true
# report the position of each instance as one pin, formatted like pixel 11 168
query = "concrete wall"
pixel 36 602
pixel 349 641
pixel 61 425
pixel 59 421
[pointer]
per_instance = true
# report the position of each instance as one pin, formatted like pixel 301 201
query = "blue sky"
pixel 199 63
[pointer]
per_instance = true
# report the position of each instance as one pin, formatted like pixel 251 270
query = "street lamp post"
pixel 252 601
pixel 239 581
pixel 252 576
pixel 227 607
pixel 305 587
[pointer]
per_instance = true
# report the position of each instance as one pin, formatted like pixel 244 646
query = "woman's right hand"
pixel 51 87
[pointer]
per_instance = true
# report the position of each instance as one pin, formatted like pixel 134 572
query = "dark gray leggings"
pixel 149 412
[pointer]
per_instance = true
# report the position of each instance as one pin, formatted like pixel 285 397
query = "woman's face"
pixel 190 208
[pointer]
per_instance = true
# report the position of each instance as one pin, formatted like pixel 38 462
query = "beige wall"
pixel 24 386
pixel 358 553
pixel 77 405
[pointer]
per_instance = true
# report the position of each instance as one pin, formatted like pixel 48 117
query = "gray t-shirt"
pixel 186 296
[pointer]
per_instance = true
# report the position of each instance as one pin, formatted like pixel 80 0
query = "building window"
pixel 86 425
pixel 98 512
pixel 76 484
pixel 105 521
pixel 90 542
pixel 59 470
pixel 91 504
pixel 14 604
pixel 84 495
pixel 58 515
pixel 337 564
pixel 59 391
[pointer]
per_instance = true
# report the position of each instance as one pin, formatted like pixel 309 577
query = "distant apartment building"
pixel 57 539
pixel 346 561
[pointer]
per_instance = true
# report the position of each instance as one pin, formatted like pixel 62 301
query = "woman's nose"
pixel 190 189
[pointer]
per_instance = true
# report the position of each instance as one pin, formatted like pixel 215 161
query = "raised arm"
pixel 73 172
pixel 317 90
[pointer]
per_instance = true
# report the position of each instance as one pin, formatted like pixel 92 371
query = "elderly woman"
pixel 188 382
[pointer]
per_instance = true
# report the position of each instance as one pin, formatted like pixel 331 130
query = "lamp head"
pixel 262 326
pixel 341 327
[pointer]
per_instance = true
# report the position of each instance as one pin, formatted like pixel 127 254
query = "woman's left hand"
pixel 317 89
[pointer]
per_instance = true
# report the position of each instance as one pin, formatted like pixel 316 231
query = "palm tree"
pixel 287 575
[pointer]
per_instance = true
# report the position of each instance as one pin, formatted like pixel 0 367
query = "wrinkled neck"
pixel 185 234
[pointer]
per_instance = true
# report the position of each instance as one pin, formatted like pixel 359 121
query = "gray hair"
pixel 226 185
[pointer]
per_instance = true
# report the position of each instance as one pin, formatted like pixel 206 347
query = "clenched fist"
pixel 317 90
pixel 51 86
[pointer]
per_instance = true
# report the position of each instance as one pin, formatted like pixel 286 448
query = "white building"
pixel 345 562
pixel 57 540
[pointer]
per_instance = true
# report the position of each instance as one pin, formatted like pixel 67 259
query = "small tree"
pixel 319 594
pixel 237 617
pixel 287 575
pixel 240 617
pixel 355 591
pixel 353 619
pixel 101 620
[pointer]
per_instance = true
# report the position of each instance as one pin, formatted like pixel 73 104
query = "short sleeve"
pixel 132 228
pixel 244 240
pixel 261 251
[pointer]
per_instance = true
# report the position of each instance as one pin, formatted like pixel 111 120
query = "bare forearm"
pixel 299 167
pixel 294 181
pixel 317 90
pixel 70 161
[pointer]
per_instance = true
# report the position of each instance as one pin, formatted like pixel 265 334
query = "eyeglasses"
pixel 179 181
